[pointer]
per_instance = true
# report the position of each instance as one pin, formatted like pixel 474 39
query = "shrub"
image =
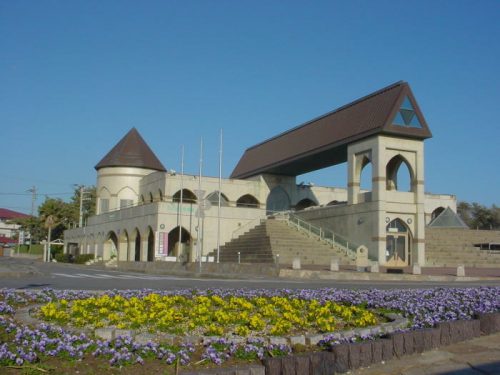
pixel 82 258
pixel 64 258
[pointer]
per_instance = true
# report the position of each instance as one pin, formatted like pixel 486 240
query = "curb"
pixel 367 276
pixel 345 357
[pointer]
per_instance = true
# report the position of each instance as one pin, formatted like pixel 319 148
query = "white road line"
pixel 66 275
pixel 159 278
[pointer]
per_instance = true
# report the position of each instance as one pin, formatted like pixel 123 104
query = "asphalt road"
pixel 69 276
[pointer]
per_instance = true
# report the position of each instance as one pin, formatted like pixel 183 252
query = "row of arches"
pixel 399 174
pixel 188 196
pixel 279 200
pixel 137 246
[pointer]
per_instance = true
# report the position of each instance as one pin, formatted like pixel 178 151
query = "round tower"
pixel 119 173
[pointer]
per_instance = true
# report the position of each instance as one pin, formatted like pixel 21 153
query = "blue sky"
pixel 75 76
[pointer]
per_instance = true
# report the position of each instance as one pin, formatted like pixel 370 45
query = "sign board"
pixel 162 243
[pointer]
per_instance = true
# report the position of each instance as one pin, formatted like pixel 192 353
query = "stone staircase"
pixel 275 239
pixel 450 247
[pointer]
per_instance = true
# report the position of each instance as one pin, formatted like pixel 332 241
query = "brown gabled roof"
pixel 323 141
pixel 131 151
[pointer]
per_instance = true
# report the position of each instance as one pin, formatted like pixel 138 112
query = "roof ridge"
pixel 341 108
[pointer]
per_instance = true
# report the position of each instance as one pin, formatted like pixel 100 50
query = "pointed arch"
pixel 110 246
pixel 160 195
pixel 104 197
pixel 173 242
pixel 399 174
pixel 398 243
pixel 151 198
pixel 137 245
pixel 151 245
pixel 247 200
pixel 214 199
pixel 365 174
pixel 305 203
pixel 277 200
pixel 187 196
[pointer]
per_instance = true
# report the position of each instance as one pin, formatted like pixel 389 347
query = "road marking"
pixel 66 275
pixel 159 278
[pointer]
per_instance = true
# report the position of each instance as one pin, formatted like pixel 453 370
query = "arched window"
pixel 151 199
pixel 304 203
pixel 187 196
pixel 278 200
pixel 247 200
pixel 214 199
pixel 160 195
pixel 399 174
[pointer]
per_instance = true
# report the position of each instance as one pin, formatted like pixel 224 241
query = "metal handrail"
pixel 325 235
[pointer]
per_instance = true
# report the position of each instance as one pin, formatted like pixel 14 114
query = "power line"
pixel 49 194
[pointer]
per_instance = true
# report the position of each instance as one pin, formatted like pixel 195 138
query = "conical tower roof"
pixel 131 151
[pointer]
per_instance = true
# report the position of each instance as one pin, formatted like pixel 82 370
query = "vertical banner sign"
pixel 162 249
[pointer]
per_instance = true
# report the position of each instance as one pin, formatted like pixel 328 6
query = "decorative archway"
pixel 396 179
pixel 137 246
pixel 110 246
pixel 277 200
pixel 398 244
pixel 173 243
pixel 365 175
pixel 247 200
pixel 151 245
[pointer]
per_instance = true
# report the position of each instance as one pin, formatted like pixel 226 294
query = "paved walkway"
pixel 479 356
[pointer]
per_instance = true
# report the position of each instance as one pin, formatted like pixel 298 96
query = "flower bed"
pixel 22 344
pixel 210 315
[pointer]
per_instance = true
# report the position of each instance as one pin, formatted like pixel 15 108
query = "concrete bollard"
pixel 361 258
pixel 460 271
pixel 296 264
pixel 416 269
pixel 334 265
pixel 375 268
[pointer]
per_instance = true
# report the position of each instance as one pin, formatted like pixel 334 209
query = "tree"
pixel 477 216
pixel 88 202
pixel 66 215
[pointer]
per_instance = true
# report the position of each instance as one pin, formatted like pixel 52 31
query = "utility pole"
pixel 33 203
pixel 33 199
pixel 82 198
pixel 80 221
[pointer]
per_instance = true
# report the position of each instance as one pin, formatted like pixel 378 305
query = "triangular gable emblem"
pixel 406 115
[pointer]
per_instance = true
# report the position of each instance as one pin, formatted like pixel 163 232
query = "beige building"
pixel 145 213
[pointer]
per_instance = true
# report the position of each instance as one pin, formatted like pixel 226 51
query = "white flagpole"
pixel 180 203
pixel 200 233
pixel 220 193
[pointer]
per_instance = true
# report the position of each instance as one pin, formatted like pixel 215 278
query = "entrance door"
pixel 398 244
pixel 397 253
